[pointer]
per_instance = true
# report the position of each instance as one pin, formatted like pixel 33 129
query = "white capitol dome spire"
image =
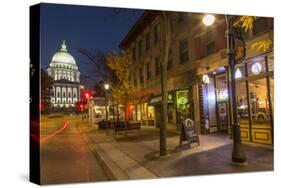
pixel 63 56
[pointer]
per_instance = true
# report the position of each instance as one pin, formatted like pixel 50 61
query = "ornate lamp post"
pixel 231 33
pixel 106 87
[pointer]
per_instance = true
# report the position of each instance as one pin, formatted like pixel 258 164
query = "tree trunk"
pixel 166 44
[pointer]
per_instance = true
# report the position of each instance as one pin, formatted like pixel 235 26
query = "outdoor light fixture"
pixel 106 86
pixel 206 79
pixel 208 19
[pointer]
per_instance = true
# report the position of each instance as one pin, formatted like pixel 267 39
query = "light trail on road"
pixel 51 135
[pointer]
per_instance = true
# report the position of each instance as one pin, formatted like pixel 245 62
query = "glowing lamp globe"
pixel 208 19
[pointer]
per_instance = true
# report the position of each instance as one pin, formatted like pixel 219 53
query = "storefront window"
pixel 259 103
pixel 272 93
pixel 151 113
pixel 242 105
pixel 183 105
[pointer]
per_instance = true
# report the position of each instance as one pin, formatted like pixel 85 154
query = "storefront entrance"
pixel 216 103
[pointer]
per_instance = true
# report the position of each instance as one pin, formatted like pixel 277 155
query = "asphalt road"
pixel 65 157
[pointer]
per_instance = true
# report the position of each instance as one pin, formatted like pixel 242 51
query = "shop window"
pixel 183 48
pixel 259 103
pixel 242 104
pixel 272 93
pixel 183 105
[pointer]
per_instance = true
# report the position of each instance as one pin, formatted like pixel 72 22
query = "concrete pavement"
pixel 134 156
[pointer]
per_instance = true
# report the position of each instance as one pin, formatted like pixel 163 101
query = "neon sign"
pixel 182 100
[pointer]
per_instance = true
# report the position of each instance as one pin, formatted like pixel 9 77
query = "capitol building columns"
pixel 64 70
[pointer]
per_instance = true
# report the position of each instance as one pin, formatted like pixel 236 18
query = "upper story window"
pixel 141 75
pixel 210 46
pixel 260 25
pixel 180 17
pixel 134 53
pixel 148 71
pixel 140 48
pixel 135 79
pixel 157 66
pixel 147 41
pixel 184 56
pixel 170 59
pixel 156 33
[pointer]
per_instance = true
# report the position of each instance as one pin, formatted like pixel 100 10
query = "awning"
pixel 158 99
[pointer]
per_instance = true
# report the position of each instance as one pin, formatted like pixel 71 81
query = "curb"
pixel 112 171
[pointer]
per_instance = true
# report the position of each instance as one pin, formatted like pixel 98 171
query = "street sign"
pixel 189 134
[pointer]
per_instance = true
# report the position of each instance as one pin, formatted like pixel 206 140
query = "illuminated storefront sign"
pixel 256 68
pixel 238 73
pixel 182 100
pixel 205 79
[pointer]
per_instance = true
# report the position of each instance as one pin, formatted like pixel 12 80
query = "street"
pixel 65 157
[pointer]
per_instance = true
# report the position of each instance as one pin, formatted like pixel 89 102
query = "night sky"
pixel 88 27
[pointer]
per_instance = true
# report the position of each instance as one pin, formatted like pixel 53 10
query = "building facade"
pixel 196 53
pixel 64 70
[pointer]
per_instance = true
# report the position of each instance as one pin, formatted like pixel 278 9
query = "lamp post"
pixel 238 154
pixel 106 87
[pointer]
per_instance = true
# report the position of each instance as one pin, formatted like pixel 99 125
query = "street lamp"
pixel 106 87
pixel 238 154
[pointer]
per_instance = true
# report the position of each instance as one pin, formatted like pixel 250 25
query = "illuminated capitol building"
pixel 64 71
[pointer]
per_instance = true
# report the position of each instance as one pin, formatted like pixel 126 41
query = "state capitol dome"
pixel 63 56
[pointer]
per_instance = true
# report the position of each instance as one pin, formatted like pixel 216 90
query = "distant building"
pixel 197 50
pixel 64 71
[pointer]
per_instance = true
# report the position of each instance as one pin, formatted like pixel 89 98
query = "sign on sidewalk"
pixel 189 134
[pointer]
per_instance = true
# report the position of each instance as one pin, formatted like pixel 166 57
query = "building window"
pixel 260 25
pixel 184 51
pixel 141 75
pixel 63 94
pixel 74 95
pixel 156 33
pixel 210 48
pixel 140 48
pixel 170 59
pixel 69 94
pixel 135 79
pixel 58 94
pixel 148 71
pixel 147 41
pixel 134 53
pixel 157 66
pixel 180 17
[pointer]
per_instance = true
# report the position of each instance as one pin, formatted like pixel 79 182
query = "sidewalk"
pixel 135 156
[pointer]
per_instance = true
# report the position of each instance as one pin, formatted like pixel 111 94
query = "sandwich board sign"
pixel 189 134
